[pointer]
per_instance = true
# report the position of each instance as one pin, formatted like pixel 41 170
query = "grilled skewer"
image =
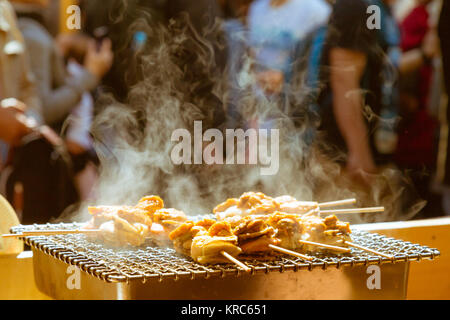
pixel 257 236
pixel 325 246
pixel 310 234
pixel 357 246
pixel 337 235
pixel 355 210
pixel 207 241
pixel 148 219
pixel 337 203
pixel 253 228
pixel 314 234
pixel 35 233
pixel 257 203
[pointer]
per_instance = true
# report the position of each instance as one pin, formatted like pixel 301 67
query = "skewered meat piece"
pixel 123 225
pixel 183 235
pixel 235 221
pixel 159 235
pixel 255 236
pixel 257 203
pixel 120 225
pixel 329 230
pixel 135 214
pixel 182 238
pixel 289 204
pixel 150 204
pixel 134 234
pixel 171 214
pixel 220 229
pixel 205 223
pixel 250 203
pixel 288 229
pixel 207 248
pixel 333 223
pixel 164 222
pixel 106 210
pixel 285 199
pixel 226 205
pixel 102 214
pixel 119 232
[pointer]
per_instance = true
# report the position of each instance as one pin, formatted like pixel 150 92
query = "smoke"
pixel 182 82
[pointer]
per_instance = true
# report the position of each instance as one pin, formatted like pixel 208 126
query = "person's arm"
pixel 29 92
pixel 346 70
pixel 13 123
pixel 416 58
pixel 58 102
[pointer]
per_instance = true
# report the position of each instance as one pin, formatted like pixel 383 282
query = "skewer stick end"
pixel 357 246
pixel 290 252
pixel 235 261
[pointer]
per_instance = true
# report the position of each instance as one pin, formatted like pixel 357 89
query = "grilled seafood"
pixel 132 225
pixel 257 203
pixel 208 247
pixel 255 236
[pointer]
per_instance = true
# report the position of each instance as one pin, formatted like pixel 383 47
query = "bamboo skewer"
pixel 357 210
pixel 35 233
pixel 311 212
pixel 326 246
pixel 290 252
pixel 337 203
pixel 357 246
pixel 235 261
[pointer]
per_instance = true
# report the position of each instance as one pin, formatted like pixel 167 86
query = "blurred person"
pixel 64 90
pixel 388 40
pixel 79 141
pixel 16 79
pixel 415 151
pixel 354 63
pixel 14 125
pixel 236 32
pixel 401 8
pixel 34 174
pixel 355 85
pixel 350 70
pixel 276 27
pixel 265 39
pixel 444 35
pixel 60 91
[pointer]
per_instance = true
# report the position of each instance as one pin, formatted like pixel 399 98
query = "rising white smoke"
pixel 181 84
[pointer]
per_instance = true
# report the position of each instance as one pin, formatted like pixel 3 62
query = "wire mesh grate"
pixel 150 262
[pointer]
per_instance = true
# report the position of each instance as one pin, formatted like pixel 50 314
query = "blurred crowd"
pixel 370 76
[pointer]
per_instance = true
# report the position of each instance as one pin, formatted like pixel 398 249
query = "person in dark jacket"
pixel 444 35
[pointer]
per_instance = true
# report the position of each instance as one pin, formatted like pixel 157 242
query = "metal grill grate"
pixel 150 262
